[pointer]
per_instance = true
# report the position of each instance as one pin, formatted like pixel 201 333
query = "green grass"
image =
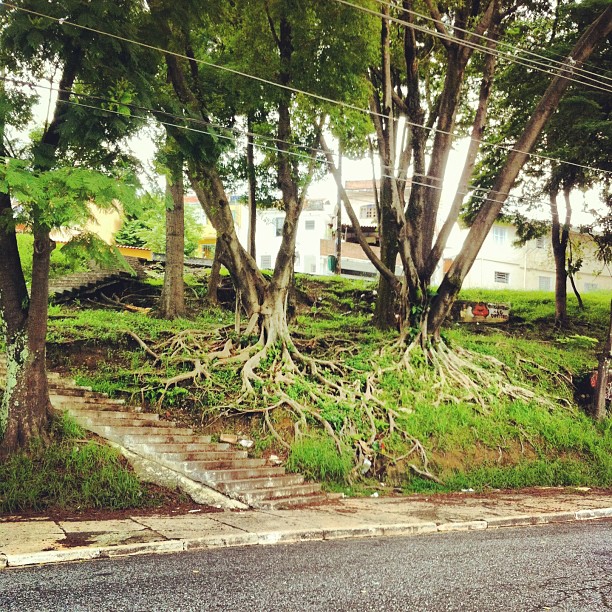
pixel 319 459
pixel 69 473
pixel 505 444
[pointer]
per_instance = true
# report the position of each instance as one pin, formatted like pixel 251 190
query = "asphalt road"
pixel 552 567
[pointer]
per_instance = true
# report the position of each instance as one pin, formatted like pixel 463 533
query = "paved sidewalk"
pixel 39 541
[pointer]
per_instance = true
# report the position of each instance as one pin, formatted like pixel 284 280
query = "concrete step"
pixel 136 440
pixel 204 445
pixel 101 421
pixel 128 435
pixel 291 502
pixel 202 455
pixel 218 476
pixel 188 467
pixel 121 416
pixel 276 493
pixel 252 484
pixel 60 396
pixel 79 392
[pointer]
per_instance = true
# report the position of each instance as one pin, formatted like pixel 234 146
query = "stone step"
pixel 292 502
pixel 218 476
pixel 276 493
pixel 101 421
pixel 251 484
pixel 203 455
pixel 187 467
pixel 135 440
pixel 204 445
pixel 59 396
pixel 127 435
pixel 79 392
pixel 122 416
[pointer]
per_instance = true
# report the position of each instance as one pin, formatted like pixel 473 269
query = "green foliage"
pixel 60 264
pixel 146 226
pixel 68 473
pixel 318 459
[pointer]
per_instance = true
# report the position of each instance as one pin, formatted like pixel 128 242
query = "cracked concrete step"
pixel 251 484
pixel 133 440
pixel 78 400
pixel 79 392
pixel 290 502
pixel 121 416
pixel 202 455
pixel 188 467
pixel 218 476
pixel 278 493
pixel 100 421
pixel 204 444
pixel 144 431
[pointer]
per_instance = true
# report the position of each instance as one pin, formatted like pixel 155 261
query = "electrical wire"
pixel 547 60
pixel 471 187
pixel 342 104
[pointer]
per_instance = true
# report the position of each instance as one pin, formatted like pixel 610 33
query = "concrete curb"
pixel 292 536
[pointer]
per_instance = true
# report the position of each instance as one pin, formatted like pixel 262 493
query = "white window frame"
pixel 501 277
pixel 500 234
pixel 545 280
pixel 309 225
pixel 266 262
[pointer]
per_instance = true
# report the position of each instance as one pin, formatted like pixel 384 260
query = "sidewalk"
pixel 39 541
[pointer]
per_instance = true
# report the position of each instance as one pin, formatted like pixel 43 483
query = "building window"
pixel 309 224
pixel 367 212
pixel 540 242
pixel 500 235
pixel 266 262
pixel 502 277
pixel 545 283
pixel 278 224
pixel 590 286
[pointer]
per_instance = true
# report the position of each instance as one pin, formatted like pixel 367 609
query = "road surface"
pixel 551 567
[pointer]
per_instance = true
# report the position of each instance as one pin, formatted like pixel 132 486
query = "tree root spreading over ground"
pixel 277 376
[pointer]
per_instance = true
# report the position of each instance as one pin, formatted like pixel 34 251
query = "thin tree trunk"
pixel 603 371
pixel 559 239
pixel 252 180
pixel 491 208
pixel 172 303
pixel 215 276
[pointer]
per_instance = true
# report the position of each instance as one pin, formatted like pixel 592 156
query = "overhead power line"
pixel 320 97
pixel 547 61
pixel 472 190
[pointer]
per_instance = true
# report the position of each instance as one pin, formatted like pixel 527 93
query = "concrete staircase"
pixel 217 465
pixel 82 284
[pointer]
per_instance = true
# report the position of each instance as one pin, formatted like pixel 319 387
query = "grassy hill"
pixel 498 442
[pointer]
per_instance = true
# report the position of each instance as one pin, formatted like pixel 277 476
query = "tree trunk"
pixel 491 208
pixel 603 371
pixel 560 238
pixel 172 303
pixel 214 279
pixel 26 410
pixel 252 180
pixel 384 311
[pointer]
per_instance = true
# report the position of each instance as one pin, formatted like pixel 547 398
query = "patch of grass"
pixel 318 459
pixel 70 472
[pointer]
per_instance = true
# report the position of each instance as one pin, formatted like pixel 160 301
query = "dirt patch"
pixel 171 503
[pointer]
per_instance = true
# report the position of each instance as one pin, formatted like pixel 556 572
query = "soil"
pixel 170 503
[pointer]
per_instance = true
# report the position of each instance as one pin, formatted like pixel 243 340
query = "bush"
pixel 318 459
pixel 69 473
